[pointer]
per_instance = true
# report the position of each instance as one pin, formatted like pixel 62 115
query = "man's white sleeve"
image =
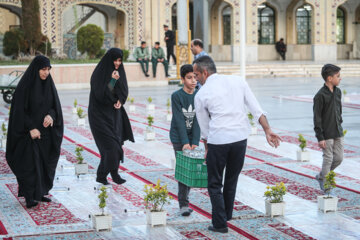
pixel 202 116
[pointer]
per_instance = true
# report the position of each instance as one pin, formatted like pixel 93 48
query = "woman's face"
pixel 44 73
pixel 117 63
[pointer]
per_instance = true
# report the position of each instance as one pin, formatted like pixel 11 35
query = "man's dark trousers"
pixel 145 68
pixel 154 65
pixel 170 52
pixel 218 157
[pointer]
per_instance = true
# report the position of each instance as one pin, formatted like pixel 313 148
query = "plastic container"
pixel 191 171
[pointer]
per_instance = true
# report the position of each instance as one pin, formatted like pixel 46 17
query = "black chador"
pixel 110 126
pixel 35 132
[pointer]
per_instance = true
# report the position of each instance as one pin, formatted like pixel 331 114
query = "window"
pixel 340 26
pixel 303 24
pixel 226 26
pixel 266 24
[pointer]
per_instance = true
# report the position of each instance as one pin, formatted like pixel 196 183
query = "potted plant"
pixel 327 203
pixel 346 98
pixel 252 123
pixel 81 116
pixel 102 221
pixel 168 115
pixel 274 204
pixel 302 154
pixel 4 135
pixel 132 107
pixel 81 167
pixel 155 198
pixel 150 106
pixel 150 133
pixel 74 110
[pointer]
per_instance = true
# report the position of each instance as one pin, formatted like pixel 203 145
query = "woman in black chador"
pixel 108 120
pixel 35 132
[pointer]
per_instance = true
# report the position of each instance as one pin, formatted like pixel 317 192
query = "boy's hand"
pixel 186 146
pixel 322 144
pixel 194 146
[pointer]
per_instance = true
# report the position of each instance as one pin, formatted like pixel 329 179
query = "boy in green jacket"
pixel 158 56
pixel 142 56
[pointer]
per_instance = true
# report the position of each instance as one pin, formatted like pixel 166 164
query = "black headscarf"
pixel 33 99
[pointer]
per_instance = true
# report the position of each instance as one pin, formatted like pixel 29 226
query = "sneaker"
pixel 185 211
pixel 320 181
pixel 220 230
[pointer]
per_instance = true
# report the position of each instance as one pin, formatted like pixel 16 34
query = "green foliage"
pixel 4 129
pixel 251 119
pixel 78 154
pixel 302 141
pixel 14 42
pixel 126 54
pixel 101 53
pixel 44 46
pixel 168 104
pixel 90 39
pixel 344 132
pixel 75 103
pixel 80 113
pixel 149 99
pixel 330 183
pixel 156 197
pixel 344 92
pixel 132 100
pixel 31 24
pixel 150 120
pixel 275 194
pixel 102 199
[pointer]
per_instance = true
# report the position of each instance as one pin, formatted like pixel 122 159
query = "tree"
pixel 14 42
pixel 31 24
pixel 90 39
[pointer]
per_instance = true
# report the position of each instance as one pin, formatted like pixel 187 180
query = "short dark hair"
pixel 205 63
pixel 185 69
pixel 281 39
pixel 165 25
pixel 157 43
pixel 198 42
pixel 142 42
pixel 329 70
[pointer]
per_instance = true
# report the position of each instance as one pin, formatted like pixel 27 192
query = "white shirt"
pixel 222 105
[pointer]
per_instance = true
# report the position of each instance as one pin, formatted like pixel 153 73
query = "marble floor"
pixel 288 104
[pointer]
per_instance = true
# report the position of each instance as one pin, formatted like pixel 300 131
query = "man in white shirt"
pixel 221 110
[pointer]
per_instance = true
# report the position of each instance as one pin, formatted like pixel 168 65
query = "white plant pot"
pixel 81 121
pixel 132 108
pixel 102 222
pixel 74 110
pixel 254 131
pixel 168 117
pixel 346 99
pixel 156 218
pixel 274 209
pixel 150 107
pixel 326 204
pixel 82 168
pixel 3 143
pixel 303 156
pixel 149 135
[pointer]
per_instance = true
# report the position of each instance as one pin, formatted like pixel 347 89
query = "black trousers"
pixel 282 54
pixel 218 157
pixel 170 52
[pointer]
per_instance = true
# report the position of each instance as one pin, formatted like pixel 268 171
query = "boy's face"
pixel 335 79
pixel 189 80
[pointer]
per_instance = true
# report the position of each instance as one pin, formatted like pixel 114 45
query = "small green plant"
pixel 302 141
pixel 4 129
pixel 251 119
pixel 344 132
pixel 75 103
pixel 275 194
pixel 150 120
pixel 80 112
pixel 132 100
pixel 156 196
pixel 78 154
pixel 102 199
pixel 149 99
pixel 168 105
pixel 329 183
pixel 344 92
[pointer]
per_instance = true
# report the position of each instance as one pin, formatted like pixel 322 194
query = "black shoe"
pixel 31 203
pixel 147 75
pixel 45 199
pixel 154 76
pixel 220 230
pixel 116 178
pixel 102 180
pixel 167 75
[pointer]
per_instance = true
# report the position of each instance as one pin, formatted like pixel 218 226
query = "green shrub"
pixel 251 119
pixel 275 194
pixel 44 46
pixel 330 182
pixel 102 199
pixel 150 120
pixel 302 141
pixel 90 39
pixel 101 53
pixel 14 42
pixel 126 54
pixel 156 196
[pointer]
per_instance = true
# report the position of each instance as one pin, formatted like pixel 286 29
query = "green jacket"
pixel 157 53
pixel 141 53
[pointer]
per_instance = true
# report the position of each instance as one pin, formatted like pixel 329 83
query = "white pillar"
pixel 181 11
pixel 201 22
pixel 242 38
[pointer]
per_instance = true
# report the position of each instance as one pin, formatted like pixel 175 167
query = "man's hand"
pixel 322 144
pixel 48 121
pixel 139 59
pixel 272 138
pixel 186 146
pixel 117 105
pixel 194 146
pixel 35 134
